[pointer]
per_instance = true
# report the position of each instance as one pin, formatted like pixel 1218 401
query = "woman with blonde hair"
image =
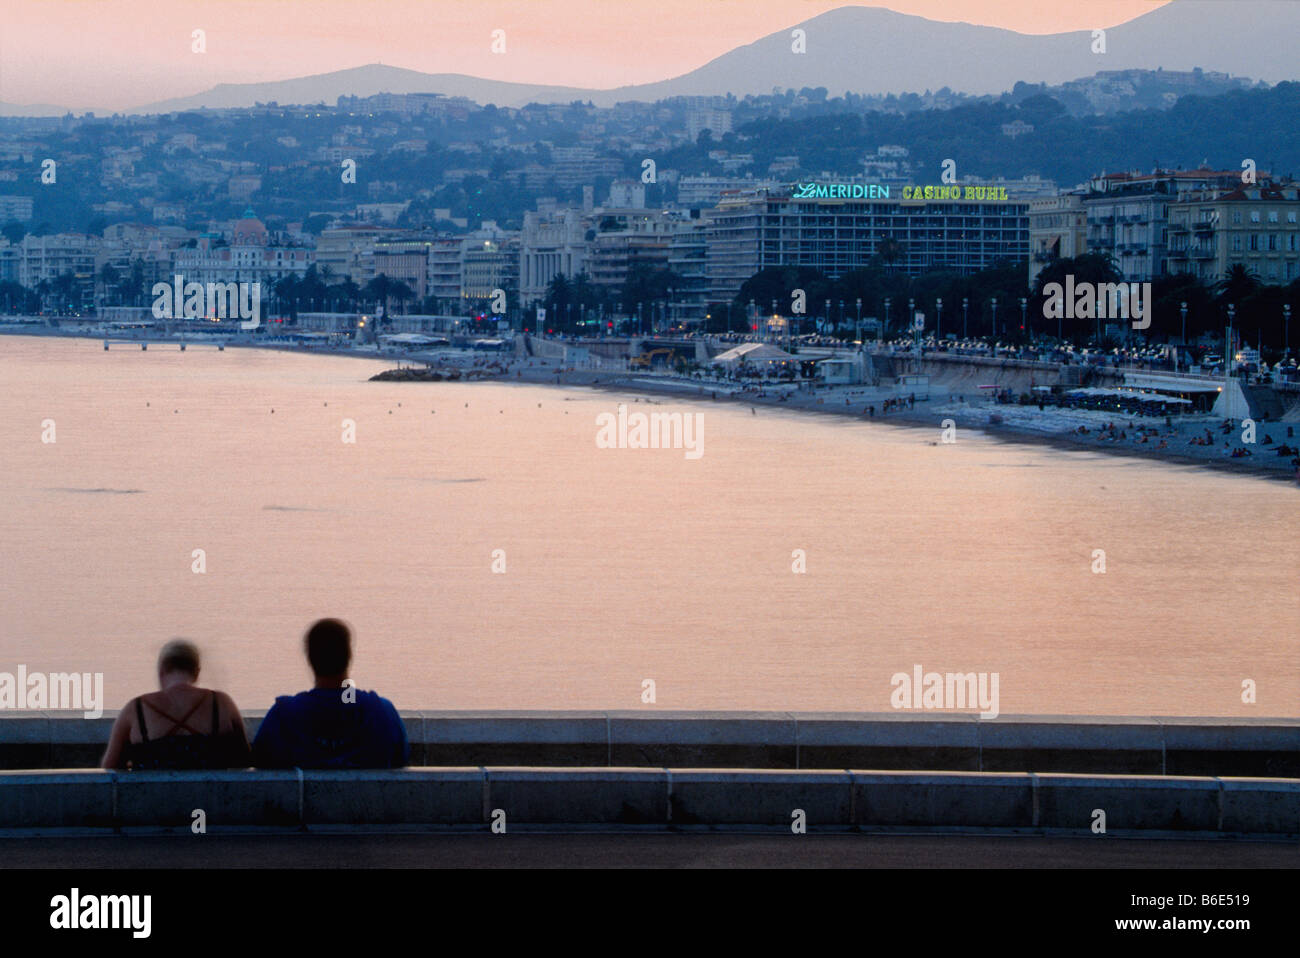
pixel 181 726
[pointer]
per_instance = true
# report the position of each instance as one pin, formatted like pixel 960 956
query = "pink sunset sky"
pixel 117 54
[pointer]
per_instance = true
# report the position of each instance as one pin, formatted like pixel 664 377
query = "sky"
pixel 118 54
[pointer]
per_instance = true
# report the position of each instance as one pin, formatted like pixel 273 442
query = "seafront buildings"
pixel 692 236
pixel 1199 222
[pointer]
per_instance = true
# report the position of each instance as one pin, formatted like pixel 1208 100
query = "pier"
pixel 179 345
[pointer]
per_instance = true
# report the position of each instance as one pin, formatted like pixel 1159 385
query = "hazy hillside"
pixel 874 50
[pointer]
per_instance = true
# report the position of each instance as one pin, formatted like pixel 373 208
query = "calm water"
pixel 621 564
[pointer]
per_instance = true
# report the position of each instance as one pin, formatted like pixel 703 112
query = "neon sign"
pixel 978 193
pixel 840 191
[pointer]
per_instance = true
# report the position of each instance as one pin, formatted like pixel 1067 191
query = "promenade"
pixel 586 849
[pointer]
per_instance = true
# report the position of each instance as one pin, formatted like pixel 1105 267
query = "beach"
pixel 1054 427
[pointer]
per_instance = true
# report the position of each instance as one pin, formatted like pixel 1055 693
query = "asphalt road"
pixel 636 850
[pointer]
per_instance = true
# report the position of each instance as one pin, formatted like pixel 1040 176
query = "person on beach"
pixel 148 734
pixel 334 724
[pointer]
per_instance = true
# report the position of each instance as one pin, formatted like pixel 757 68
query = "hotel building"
pixel 837 234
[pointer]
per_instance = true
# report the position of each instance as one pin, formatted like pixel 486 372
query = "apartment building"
pixel 1058 229
pixel 489 260
pixel 624 240
pixel 47 258
pixel 1127 215
pixel 444 270
pixel 1254 226
pixel 550 243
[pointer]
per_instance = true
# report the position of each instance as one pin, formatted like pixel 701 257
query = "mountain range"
pixel 866 50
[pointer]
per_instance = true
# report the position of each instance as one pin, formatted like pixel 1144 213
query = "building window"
pixel 1272 216
pixel 1236 216
pixel 1254 242
pixel 1254 216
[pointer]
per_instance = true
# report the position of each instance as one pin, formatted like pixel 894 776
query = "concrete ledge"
pixel 599 796
pixel 1100 745
pixel 903 741
pixel 890 740
pixel 62 799
pixel 1260 805
pixel 169 799
pixel 393 797
pixel 1167 803
pixel 953 799
pixel 508 738
pixel 663 797
pixel 702 739
pixel 760 797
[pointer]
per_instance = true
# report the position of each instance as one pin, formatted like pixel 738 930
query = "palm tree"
pixel 349 293
pixel 1237 285
pixel 64 287
pixel 136 282
pixel 401 292
pixel 890 251
pixel 285 290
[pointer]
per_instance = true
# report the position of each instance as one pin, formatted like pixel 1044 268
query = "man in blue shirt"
pixel 334 724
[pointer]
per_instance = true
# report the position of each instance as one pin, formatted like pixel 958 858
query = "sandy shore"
pixel 1055 427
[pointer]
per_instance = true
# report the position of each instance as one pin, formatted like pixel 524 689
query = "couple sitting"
pixel 333 725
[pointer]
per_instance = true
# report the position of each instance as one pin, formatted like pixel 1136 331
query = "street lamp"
pixel 1286 329
pixel 938 318
pixel 1227 362
pixel 1182 309
pixel 858 338
pixel 965 308
pixel 753 318
pixel 886 326
pixel 995 320
pixel 1024 304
